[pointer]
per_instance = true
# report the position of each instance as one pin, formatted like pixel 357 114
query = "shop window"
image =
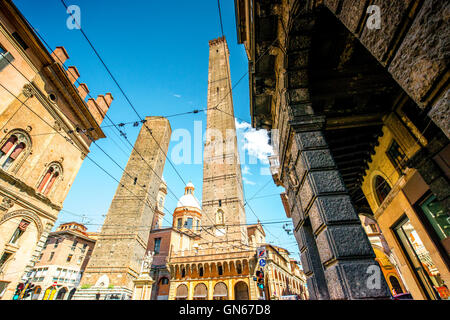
pixel 19 231
pixel 437 217
pixel 382 189
pixel 16 147
pixel 396 155
pixel 157 245
pixel 419 258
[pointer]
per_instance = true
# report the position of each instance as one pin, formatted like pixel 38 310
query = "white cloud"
pixel 246 170
pixel 177 96
pixel 246 181
pixel 256 142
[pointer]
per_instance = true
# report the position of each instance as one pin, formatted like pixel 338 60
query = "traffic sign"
pixel 262 262
pixel 261 252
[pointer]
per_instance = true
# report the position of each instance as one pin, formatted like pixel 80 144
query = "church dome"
pixel 188 199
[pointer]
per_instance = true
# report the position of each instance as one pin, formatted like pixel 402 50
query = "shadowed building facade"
pixel 337 87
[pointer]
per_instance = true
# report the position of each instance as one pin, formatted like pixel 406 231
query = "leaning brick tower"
pixel 222 200
pixel 117 256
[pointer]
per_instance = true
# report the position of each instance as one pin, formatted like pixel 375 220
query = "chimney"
pixel 109 98
pixel 60 55
pixel 94 110
pixel 102 102
pixel 73 74
pixel 83 90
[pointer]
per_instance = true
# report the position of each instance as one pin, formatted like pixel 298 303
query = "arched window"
pixel 15 147
pixel 182 292
pixel 200 292
pixel 241 291
pixel 382 189
pixel 220 291
pixel 52 174
pixel 219 217
pixel 239 268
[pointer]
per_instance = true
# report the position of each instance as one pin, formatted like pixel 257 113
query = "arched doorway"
pixel 61 294
pixel 220 291
pixel 182 292
pixel 395 285
pixel 200 292
pixel 71 293
pixel 163 289
pixel 241 291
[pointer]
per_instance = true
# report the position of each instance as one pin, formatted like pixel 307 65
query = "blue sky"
pixel 158 52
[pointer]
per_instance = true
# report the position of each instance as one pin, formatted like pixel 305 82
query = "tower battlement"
pixel 218 41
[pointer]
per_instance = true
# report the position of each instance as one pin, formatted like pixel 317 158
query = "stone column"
pixel 335 248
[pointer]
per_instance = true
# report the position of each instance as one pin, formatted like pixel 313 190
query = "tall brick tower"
pixel 117 257
pixel 222 202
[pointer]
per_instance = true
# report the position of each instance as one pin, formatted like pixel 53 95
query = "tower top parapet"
pixel 218 41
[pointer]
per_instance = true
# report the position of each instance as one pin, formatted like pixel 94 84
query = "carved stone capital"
pixel 6 204
pixel 28 90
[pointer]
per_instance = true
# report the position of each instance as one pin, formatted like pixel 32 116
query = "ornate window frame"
pixel 22 137
pixel 57 168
